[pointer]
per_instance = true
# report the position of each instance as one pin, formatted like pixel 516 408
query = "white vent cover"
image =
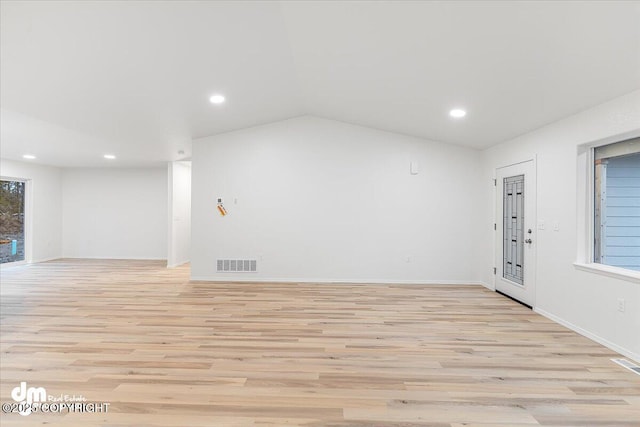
pixel 627 364
pixel 236 266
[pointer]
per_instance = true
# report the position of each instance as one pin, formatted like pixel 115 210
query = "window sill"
pixel 607 270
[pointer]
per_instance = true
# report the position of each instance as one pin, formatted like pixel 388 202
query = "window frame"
pixel 28 222
pixel 586 210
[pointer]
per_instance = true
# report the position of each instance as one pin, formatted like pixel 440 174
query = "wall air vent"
pixel 627 364
pixel 236 266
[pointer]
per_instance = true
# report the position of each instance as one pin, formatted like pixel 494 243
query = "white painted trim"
pixel 635 133
pixel 585 197
pixel 170 263
pixel 584 206
pixel 171 240
pixel 114 258
pixel 177 264
pixel 489 286
pixel 623 351
pixel 28 220
pixel 624 363
pixel 497 215
pixel 245 279
pixel 495 230
pixel 13 264
pixel 45 260
pixel 609 270
pixel 24 263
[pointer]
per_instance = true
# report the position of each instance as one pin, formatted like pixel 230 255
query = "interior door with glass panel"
pixel 515 231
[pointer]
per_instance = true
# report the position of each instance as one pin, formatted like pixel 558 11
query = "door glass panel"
pixel 513 229
pixel 11 221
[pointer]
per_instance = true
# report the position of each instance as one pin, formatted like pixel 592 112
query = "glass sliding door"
pixel 12 221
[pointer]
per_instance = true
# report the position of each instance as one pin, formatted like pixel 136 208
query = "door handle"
pixel 528 241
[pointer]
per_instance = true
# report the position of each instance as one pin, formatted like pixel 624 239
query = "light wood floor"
pixel 166 352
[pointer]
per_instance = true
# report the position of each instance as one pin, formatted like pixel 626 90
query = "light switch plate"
pixel 414 168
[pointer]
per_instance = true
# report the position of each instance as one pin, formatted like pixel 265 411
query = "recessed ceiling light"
pixel 29 156
pixel 216 99
pixel 109 156
pixel 457 113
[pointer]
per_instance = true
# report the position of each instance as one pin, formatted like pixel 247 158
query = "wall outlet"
pixel 408 259
pixel 621 305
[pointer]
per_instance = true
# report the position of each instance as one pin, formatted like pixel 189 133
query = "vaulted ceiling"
pixel 80 79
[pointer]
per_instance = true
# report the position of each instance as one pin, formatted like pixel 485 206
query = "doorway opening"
pixel 179 231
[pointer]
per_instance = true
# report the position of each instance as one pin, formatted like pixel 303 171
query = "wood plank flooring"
pixel 166 352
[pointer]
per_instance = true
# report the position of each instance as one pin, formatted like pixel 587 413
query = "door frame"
pixel 498 221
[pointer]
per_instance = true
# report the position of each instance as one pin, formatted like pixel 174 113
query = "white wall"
pixel 320 200
pixel 115 213
pixel 46 202
pixel 583 300
pixel 179 218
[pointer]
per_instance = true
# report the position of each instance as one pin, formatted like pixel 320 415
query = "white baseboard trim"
pixel 625 352
pixel 119 258
pixel 44 260
pixel 247 277
pixel 178 264
pixel 26 263
pixel 10 265
pixel 488 285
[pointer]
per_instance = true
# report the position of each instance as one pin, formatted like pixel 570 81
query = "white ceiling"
pixel 81 79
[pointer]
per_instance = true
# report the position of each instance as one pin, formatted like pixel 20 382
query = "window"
pixel 12 225
pixel 616 180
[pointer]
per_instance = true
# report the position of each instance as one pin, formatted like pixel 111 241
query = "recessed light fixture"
pixel 457 113
pixel 28 156
pixel 216 99
pixel 109 156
